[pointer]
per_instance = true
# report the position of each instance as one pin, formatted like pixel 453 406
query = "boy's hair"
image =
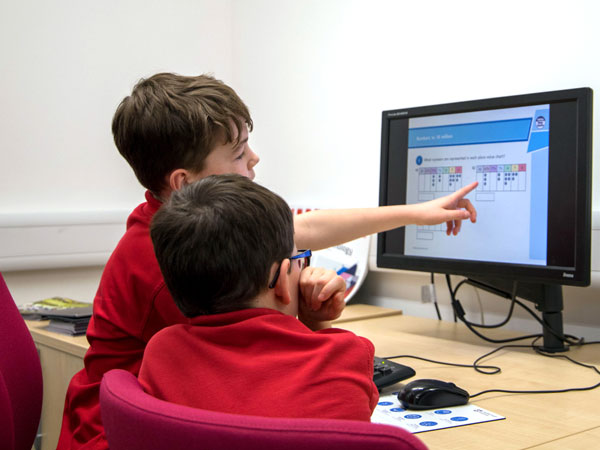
pixel 216 241
pixel 172 121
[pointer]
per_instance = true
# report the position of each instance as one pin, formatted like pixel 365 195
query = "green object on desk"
pixel 55 306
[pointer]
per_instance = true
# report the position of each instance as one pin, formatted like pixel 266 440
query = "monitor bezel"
pixel 579 275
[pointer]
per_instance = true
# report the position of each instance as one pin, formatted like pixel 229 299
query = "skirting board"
pixel 31 241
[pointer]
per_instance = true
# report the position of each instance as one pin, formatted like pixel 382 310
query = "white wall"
pixel 66 65
pixel 317 74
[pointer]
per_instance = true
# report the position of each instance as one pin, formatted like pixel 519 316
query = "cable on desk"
pixel 490 370
pixel 495 369
pixel 568 358
pixel 557 391
pixel 541 352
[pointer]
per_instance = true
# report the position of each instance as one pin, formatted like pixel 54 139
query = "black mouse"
pixel 432 394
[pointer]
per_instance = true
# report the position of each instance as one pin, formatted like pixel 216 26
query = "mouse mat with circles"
pixel 389 411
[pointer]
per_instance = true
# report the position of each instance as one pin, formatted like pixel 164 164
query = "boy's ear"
pixel 178 178
pixel 282 287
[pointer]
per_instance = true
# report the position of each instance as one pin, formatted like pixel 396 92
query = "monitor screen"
pixel 531 155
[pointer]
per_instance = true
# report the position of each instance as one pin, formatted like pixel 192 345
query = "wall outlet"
pixel 428 294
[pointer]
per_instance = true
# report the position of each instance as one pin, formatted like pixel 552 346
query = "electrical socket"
pixel 428 294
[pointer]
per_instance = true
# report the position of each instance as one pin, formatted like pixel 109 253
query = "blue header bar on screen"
pixel 470 133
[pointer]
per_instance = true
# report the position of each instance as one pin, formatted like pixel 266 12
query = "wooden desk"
pixel 362 312
pixel 545 421
pixel 62 356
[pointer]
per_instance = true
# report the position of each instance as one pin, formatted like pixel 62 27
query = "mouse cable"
pixel 550 391
pixel 538 350
pixel 541 352
pixel 490 370
pixel 495 369
pixel 568 339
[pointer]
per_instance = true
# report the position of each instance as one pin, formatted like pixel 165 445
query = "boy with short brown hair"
pixel 174 130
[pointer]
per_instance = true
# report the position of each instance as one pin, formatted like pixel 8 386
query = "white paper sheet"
pixel 389 411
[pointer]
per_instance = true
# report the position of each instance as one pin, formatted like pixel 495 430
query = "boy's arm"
pixel 325 228
pixel 321 297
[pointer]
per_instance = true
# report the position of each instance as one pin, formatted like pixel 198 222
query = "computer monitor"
pixel 532 157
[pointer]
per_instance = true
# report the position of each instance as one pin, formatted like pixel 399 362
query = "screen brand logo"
pixel 568 275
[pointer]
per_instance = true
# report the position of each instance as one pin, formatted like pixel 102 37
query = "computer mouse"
pixel 432 394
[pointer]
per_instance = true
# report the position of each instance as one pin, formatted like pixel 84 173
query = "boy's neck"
pixel 268 300
pixel 163 195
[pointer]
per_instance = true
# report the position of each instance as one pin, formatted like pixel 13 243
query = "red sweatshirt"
pixel 131 305
pixel 262 362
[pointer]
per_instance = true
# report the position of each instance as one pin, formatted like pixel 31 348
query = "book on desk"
pixel 66 316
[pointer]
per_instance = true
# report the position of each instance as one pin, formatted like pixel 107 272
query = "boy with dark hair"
pixel 174 130
pixel 225 246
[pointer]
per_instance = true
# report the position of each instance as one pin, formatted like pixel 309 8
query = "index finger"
pixel 465 190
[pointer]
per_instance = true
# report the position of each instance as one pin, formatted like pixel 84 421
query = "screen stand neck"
pixel 548 299
pixel 551 306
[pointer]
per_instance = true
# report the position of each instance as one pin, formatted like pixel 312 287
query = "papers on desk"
pixel 54 306
pixel 73 326
pixel 389 411
pixel 66 315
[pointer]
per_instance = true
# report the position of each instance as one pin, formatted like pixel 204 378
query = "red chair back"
pixel 20 378
pixel 135 420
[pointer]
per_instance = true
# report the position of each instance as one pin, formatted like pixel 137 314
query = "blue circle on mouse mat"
pixel 385 403
pixel 428 424
pixel 412 416
pixel 442 411
pixel 459 419
pixel 398 409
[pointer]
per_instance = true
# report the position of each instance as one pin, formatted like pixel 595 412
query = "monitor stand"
pixel 548 299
